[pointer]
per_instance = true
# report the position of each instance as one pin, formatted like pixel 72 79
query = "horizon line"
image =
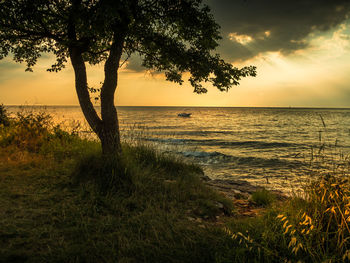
pixel 180 106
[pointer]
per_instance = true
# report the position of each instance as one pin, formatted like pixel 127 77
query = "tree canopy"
pixel 173 36
pixel 170 36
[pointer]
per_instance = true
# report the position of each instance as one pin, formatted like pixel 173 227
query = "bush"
pixel 4 119
pixel 36 133
pixel 263 197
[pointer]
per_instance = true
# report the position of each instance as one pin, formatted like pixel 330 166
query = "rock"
pixel 204 177
pixel 219 205
pixel 170 181
pixel 199 220
pixel 238 189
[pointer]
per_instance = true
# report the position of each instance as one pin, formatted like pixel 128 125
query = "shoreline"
pixel 231 187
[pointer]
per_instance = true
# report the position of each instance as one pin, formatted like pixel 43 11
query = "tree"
pixel 170 36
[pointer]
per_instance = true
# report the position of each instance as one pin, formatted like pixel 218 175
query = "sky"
pixel 301 49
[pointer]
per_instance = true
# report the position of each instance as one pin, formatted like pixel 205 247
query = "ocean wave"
pixel 169 140
pixel 164 127
pixel 261 144
pixel 266 162
pixel 251 161
pixel 202 154
pixel 205 133
pixel 223 143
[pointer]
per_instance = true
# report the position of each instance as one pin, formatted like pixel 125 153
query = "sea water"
pixel 274 147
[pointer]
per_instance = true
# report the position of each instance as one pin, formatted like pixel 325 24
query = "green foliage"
pixel 27 131
pixel 4 119
pixel 36 133
pixel 263 197
pixel 169 36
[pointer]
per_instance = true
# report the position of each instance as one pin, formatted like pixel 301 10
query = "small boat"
pixel 184 114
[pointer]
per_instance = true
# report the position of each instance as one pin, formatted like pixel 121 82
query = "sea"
pixel 278 148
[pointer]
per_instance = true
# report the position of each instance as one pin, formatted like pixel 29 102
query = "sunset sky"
pixel 301 49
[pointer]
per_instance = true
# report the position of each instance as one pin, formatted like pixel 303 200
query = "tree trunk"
pixel 106 127
pixel 109 135
pixel 82 90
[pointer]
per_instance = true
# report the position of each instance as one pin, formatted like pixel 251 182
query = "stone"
pixel 219 205
pixel 237 189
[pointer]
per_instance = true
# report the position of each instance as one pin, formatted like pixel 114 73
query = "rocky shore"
pixel 240 191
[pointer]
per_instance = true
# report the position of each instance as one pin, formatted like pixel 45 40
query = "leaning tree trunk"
pixel 109 134
pixel 106 127
pixel 81 87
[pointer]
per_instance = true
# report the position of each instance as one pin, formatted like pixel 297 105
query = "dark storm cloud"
pixel 274 25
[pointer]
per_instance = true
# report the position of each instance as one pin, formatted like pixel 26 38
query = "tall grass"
pixel 36 133
pixel 312 226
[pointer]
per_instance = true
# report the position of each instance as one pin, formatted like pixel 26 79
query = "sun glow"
pixel 242 39
pixel 314 76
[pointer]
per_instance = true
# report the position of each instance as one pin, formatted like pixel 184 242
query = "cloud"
pixel 9 69
pixel 251 27
pixel 242 39
pixel 134 64
pixel 9 65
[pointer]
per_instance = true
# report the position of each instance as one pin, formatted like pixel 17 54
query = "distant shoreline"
pixel 228 107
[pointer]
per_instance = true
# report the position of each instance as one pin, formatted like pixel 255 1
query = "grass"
pixel 263 197
pixel 61 201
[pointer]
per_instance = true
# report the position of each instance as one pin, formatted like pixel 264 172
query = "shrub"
pixel 36 133
pixel 4 119
pixel 263 197
pixel 27 131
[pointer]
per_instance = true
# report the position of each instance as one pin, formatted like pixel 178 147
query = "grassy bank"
pixel 62 202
